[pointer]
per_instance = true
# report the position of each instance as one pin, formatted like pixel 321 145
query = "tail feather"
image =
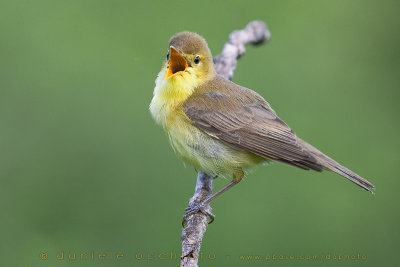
pixel 332 165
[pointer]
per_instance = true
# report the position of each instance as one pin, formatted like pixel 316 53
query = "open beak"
pixel 177 63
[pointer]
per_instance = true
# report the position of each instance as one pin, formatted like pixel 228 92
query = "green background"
pixel 85 168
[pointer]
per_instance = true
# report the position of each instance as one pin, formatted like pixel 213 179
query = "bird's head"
pixel 188 61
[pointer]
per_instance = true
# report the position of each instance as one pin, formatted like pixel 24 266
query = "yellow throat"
pixel 175 82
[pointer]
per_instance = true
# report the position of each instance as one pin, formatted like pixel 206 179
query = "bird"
pixel 222 128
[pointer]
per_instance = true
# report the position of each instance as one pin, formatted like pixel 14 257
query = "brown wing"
pixel 244 120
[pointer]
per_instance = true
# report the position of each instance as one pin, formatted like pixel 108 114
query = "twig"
pixel 256 32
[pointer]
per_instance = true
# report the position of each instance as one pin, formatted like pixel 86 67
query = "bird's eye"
pixel 197 60
pixel 168 55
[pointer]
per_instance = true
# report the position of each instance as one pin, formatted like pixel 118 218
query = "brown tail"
pixel 332 165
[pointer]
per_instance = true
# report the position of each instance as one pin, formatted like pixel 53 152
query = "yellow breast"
pixel 168 98
pixel 192 145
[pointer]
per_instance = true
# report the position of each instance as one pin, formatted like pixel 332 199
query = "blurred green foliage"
pixel 84 168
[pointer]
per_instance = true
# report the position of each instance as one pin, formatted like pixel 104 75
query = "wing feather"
pixel 244 120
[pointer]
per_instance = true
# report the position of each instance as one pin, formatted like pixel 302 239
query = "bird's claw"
pixel 195 209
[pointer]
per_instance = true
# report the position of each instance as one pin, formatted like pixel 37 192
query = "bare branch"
pixel 256 32
pixel 192 234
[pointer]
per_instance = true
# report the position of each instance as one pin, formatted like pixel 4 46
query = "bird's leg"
pixel 237 177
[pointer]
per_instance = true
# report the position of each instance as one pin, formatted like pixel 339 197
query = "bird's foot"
pixel 195 209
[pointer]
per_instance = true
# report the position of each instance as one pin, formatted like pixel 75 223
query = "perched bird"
pixel 220 127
